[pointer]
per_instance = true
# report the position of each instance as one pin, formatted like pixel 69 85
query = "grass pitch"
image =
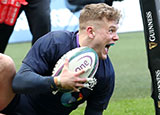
pixel 133 82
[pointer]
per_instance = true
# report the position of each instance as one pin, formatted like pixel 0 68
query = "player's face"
pixel 105 37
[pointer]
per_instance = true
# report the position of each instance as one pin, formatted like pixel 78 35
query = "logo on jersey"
pixel 69 99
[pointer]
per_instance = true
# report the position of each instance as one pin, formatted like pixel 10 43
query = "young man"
pixel 33 84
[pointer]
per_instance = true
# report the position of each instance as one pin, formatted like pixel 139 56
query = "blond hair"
pixel 96 12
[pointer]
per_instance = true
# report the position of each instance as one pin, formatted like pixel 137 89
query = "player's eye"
pixel 111 31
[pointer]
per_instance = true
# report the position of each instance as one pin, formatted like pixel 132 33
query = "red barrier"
pixel 9 10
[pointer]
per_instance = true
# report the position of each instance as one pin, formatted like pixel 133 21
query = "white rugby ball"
pixel 81 58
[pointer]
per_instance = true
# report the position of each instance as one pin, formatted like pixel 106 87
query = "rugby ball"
pixel 81 58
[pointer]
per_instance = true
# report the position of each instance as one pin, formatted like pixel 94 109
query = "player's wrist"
pixel 57 81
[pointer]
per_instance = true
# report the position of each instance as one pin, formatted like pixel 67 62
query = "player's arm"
pixel 27 81
pixel 98 100
pixel 92 111
pixel 96 103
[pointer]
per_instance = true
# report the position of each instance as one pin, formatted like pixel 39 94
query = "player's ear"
pixel 90 32
pixel 94 34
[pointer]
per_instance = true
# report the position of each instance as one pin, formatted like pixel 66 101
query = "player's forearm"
pixel 27 81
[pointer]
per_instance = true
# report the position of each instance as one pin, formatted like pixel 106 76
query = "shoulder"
pixel 56 36
pixel 48 49
pixel 54 39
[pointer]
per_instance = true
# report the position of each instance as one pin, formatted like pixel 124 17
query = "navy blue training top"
pixel 38 84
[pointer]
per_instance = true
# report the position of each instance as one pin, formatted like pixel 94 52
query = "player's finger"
pixel 66 64
pixel 79 85
pixel 76 89
pixel 81 80
pixel 77 74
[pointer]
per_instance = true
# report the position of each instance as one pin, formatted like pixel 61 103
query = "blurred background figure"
pixel 37 13
pixel 76 5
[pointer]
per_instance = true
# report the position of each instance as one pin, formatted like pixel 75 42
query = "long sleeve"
pixel 27 81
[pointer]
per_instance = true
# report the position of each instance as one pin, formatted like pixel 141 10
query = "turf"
pixel 134 106
pixel 133 82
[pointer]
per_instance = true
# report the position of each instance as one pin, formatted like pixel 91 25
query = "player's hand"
pixel 71 80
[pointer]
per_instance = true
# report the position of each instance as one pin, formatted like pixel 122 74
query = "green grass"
pixel 130 62
pixel 18 52
pixel 134 106
pixel 133 82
